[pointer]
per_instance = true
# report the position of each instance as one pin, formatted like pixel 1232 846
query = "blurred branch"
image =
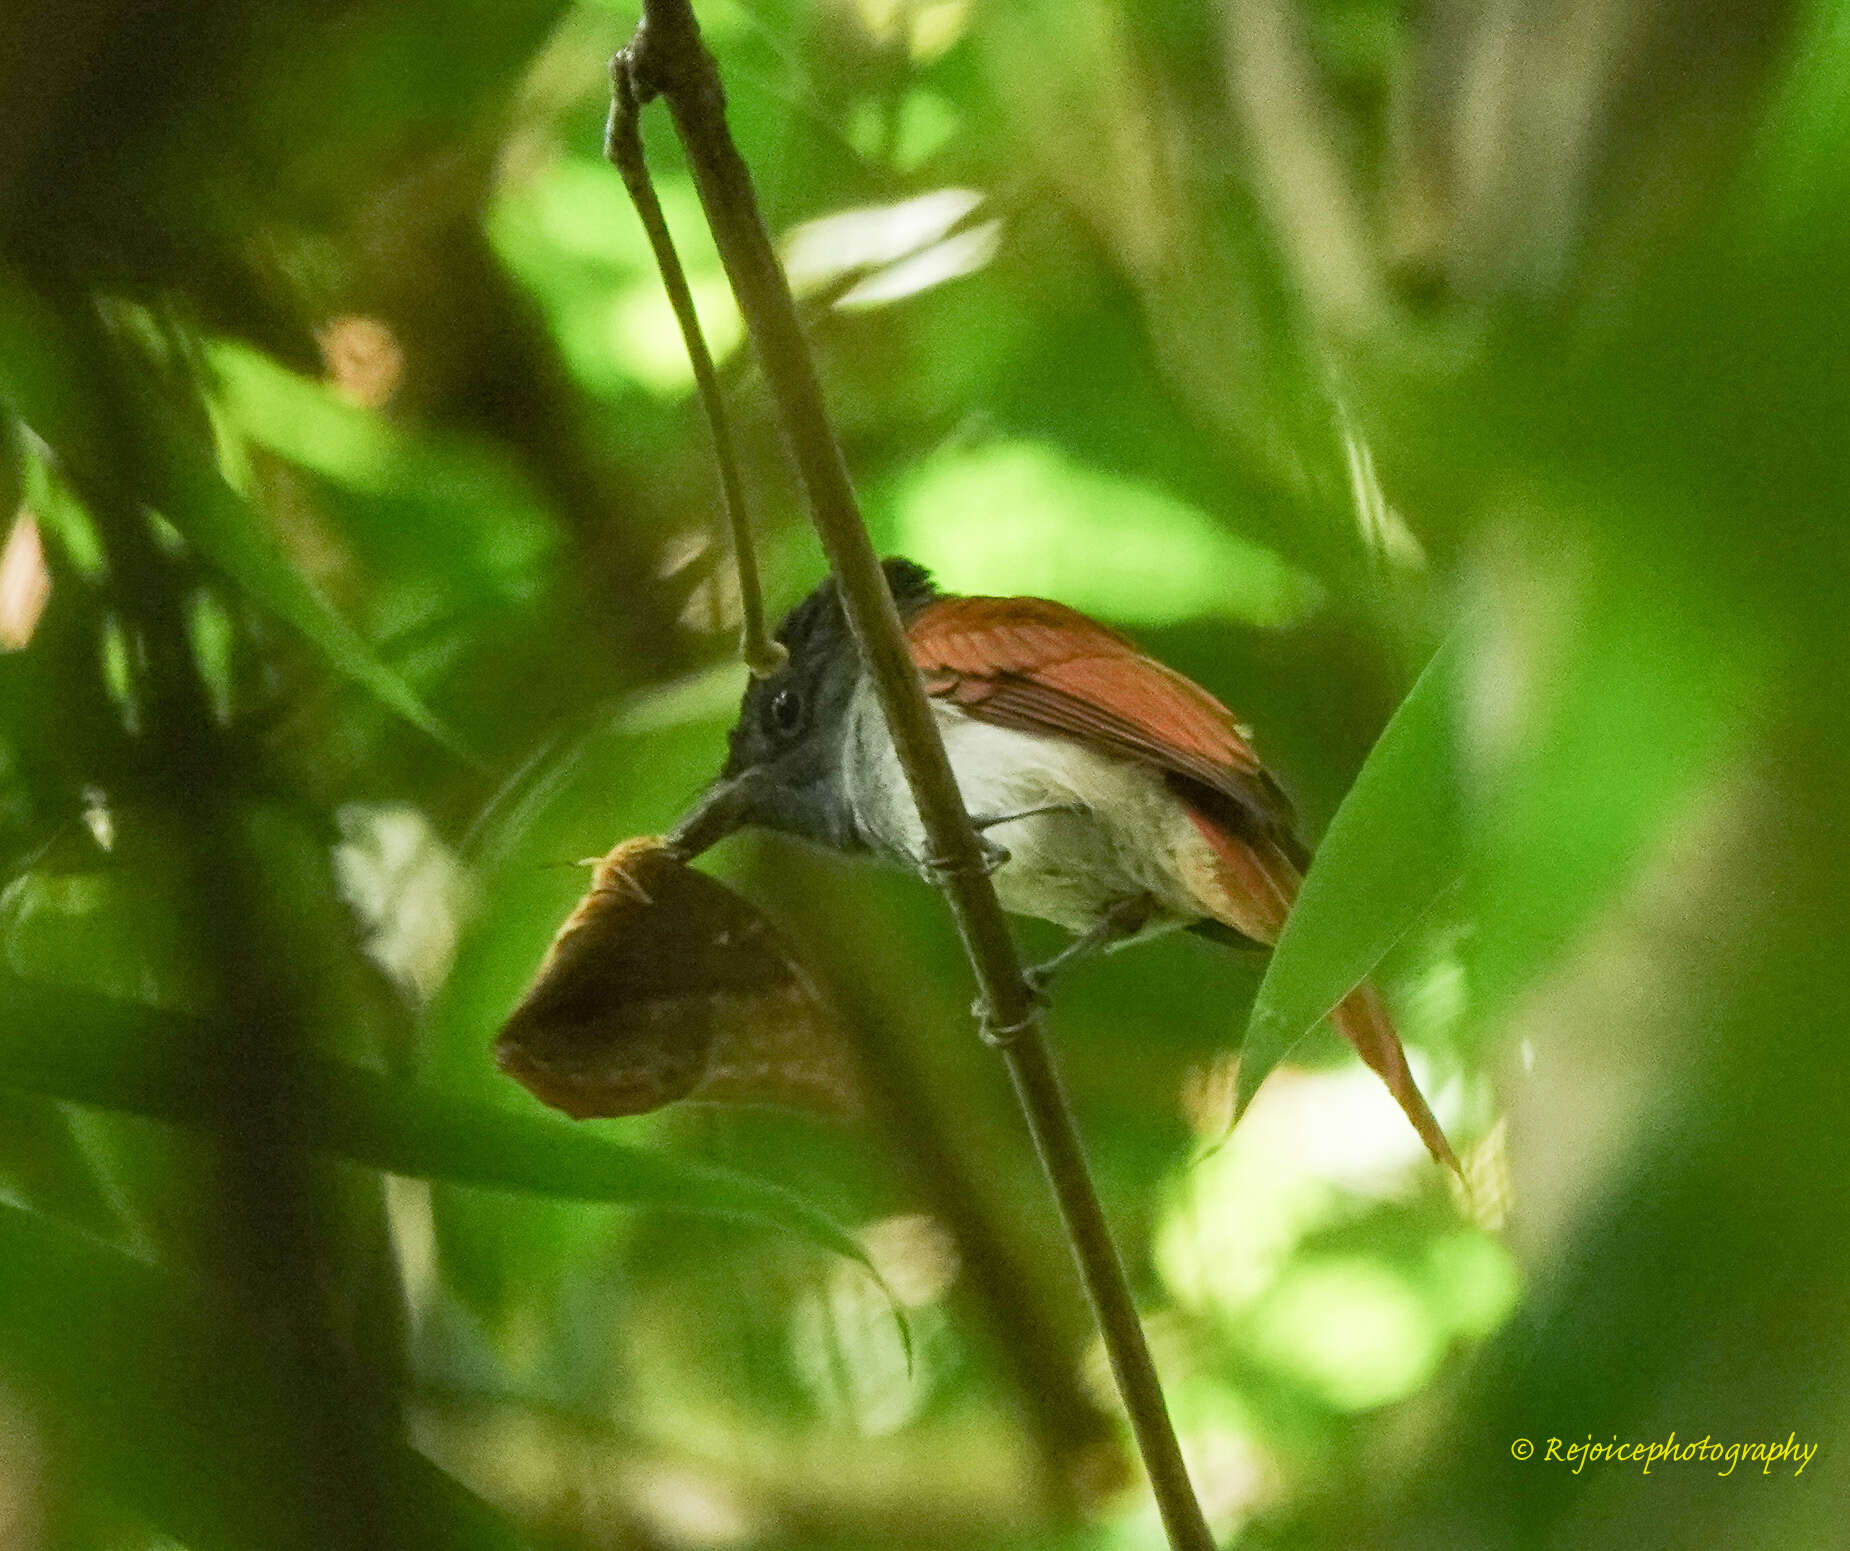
pixel 1302 179
pixel 1004 1283
pixel 668 57
pixel 1080 1444
pixel 1525 139
pixel 271 1218
pixel 623 146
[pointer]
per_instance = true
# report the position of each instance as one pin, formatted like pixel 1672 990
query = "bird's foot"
pixel 1124 919
pixel 991 1028
pixel 991 857
pixel 996 856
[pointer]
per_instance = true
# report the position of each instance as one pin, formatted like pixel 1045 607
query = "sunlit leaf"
pixel 1024 517
pixel 1354 1331
pixel 359 448
pixel 571 234
pixel 1395 844
pixel 863 241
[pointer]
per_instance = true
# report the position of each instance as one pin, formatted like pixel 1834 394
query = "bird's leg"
pixel 1124 919
pixel 987 822
pixel 932 867
pixel 995 854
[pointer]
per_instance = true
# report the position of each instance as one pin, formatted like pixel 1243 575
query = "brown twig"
pixel 623 147
pixel 667 57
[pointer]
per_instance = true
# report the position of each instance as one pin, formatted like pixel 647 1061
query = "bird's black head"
pixel 784 762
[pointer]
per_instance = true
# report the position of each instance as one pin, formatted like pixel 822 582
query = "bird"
pixel 1117 798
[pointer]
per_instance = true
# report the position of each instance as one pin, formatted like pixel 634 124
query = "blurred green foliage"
pixel 357 580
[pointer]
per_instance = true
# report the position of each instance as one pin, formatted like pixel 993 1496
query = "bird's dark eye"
pixel 786 711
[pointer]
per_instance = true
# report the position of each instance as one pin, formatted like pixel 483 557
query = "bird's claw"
pixel 997 1033
pixel 992 856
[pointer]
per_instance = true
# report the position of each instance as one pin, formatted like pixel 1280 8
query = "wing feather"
pixel 1038 666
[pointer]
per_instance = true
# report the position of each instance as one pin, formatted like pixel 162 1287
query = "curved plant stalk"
pixel 668 58
pixel 623 147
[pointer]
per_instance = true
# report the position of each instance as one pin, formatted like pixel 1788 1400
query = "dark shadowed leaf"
pixel 195 497
pixel 184 1416
pixel 121 1056
pixel 36 380
pixel 40 382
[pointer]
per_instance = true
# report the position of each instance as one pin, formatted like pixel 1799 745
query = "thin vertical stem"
pixel 623 147
pixel 668 57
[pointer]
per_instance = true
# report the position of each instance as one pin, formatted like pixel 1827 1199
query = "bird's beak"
pixel 723 807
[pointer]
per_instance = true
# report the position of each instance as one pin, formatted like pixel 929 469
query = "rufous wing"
pixel 1039 666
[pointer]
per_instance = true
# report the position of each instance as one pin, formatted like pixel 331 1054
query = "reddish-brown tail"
pixel 1252 890
pixel 1362 1019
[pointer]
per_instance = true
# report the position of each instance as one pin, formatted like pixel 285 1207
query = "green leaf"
pixel 36 378
pixel 195 497
pixel 44 1165
pixel 123 1056
pixel 1024 517
pixel 12 471
pixel 1395 845
pixel 181 1413
pixel 1650 706
pixel 41 381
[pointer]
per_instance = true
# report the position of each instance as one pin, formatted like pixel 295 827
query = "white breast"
pixel 1118 832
